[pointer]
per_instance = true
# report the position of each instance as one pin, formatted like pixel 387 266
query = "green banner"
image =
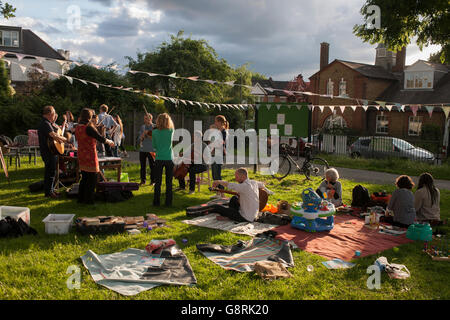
pixel 291 119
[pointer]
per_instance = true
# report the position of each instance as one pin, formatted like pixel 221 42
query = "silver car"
pixel 385 147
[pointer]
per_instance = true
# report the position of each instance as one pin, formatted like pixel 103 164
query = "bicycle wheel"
pixel 282 166
pixel 316 167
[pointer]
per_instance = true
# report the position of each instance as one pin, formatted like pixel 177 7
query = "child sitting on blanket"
pixel 332 187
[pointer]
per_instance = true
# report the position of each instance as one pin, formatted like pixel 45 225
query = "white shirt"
pixel 248 197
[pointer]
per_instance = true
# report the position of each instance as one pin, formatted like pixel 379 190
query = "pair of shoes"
pixel 191 191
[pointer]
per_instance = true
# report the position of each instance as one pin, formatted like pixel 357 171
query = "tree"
pixel 7 10
pixel 400 21
pixel 6 91
pixel 36 80
pixel 436 58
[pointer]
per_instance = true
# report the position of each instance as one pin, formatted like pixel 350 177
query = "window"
pixel 343 88
pixel 382 125
pixel 283 99
pixel 271 99
pixel 335 121
pixel 418 80
pixel 415 126
pixel 330 87
pixel 381 52
pixel 9 38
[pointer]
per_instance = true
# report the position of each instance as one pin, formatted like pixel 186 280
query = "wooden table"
pixel 104 163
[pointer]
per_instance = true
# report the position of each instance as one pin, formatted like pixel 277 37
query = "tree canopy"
pixel 401 21
pixel 7 10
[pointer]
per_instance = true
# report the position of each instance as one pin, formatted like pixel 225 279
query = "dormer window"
pixel 330 87
pixel 418 80
pixel 9 38
pixel 342 88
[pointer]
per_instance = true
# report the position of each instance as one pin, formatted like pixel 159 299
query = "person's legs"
pixel 90 187
pixel 169 178
pixel 158 180
pixel 228 212
pixel 82 187
pixel 182 183
pixel 216 171
pixel 152 167
pixel 192 177
pixel 49 174
pixel 143 161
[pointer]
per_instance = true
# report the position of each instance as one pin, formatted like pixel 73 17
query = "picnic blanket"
pixel 347 236
pixel 248 228
pixel 243 255
pixel 133 271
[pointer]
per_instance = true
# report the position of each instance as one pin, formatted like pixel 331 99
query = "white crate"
pixel 15 213
pixel 58 223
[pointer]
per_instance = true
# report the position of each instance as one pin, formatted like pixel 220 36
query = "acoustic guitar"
pixel 263 195
pixel 57 148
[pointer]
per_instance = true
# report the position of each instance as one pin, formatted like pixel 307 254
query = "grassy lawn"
pixel 392 165
pixel 34 267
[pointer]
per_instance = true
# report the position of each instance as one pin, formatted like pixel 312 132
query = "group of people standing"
pixel 89 136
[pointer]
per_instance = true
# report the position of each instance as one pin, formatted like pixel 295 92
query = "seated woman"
pixel 332 187
pixel 426 200
pixel 401 204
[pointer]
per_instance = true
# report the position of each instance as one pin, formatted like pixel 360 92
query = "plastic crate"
pixel 58 223
pixel 15 213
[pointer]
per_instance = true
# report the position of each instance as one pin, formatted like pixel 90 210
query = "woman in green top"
pixel 162 144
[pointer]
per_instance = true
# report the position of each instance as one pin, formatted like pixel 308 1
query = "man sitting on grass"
pixel 244 208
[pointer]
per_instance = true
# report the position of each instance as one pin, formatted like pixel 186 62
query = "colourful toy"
pixel 419 232
pixel 438 248
pixel 357 253
pixel 308 216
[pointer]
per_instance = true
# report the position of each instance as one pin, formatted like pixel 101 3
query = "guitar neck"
pixel 224 191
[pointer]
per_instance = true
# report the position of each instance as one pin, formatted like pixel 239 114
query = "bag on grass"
pixel 360 196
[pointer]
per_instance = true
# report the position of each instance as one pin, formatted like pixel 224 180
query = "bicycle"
pixel 312 166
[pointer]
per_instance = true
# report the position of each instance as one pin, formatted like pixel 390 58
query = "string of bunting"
pixel 360 102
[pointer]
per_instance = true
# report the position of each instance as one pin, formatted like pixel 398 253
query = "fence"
pixel 382 147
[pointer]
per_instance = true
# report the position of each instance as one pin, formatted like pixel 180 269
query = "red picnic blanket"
pixel 347 236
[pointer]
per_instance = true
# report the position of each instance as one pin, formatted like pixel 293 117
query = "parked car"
pixel 381 147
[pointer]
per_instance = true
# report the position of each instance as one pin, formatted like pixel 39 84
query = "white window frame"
pixel 342 88
pixel 330 87
pixel 270 98
pixel 415 77
pixel 10 32
pixel 415 119
pixel 382 129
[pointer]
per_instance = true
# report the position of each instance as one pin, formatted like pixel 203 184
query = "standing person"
pixel 108 122
pixel 162 143
pixel 70 124
pixel 146 149
pixel 426 200
pixel 221 124
pixel 122 136
pixel 191 154
pixel 87 137
pixel 48 130
pixel 118 136
pixel 401 203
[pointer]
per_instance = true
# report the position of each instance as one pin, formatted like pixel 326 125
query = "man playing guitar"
pixel 244 208
pixel 48 130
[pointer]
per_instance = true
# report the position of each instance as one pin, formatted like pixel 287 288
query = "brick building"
pixel 387 80
pixel 262 90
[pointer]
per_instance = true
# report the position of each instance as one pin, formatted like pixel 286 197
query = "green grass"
pixel 391 165
pixel 34 267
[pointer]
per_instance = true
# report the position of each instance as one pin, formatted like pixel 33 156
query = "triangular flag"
pixel 184 102
pixel 365 102
pixel 132 71
pixel 193 78
pixel 389 107
pixel 257 107
pixel 398 106
pixel 430 110
pixel 331 108
pixel 321 108
pixel 289 106
pixel 191 103
pixel 95 84
pixel 414 108
pixel 210 81
pixel 381 103
pixel 278 106
pixel 342 109
pixel 446 110
pixel 20 56
pixel 61 62
pixel 365 107
pixel 173 75
pixel 353 108
pixel 268 106
pixel 298 107
pixel 69 78
pixel 230 83
pixel 23 68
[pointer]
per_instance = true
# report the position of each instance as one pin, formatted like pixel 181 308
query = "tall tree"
pixel 6 91
pixel 401 21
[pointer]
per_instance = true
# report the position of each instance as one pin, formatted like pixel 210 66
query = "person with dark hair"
pixel 87 137
pixel 146 149
pixel 48 130
pixel 107 122
pixel 427 199
pixel 401 204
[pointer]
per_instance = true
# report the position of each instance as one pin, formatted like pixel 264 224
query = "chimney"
pixel 324 52
pixel 400 61
pixel 64 53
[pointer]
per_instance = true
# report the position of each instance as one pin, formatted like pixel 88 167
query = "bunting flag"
pixel 389 107
pixel 321 108
pixel 95 84
pixel 173 75
pixel 353 108
pixel 82 81
pixel 192 78
pixel 331 108
pixel 23 68
pixel 365 102
pixel 257 107
pixel 429 110
pixel 365 107
pixel 230 83
pixel 2 54
pixel 381 103
pixel 268 107
pixel 377 107
pixel 342 109
pixel 446 110
pixel 414 108
pixel 20 56
pixel 278 106
pixel 70 79
pixel 298 107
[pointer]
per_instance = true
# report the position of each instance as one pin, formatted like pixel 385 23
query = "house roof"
pixel 439 94
pixel 281 85
pixel 367 70
pixel 435 66
pixel 35 46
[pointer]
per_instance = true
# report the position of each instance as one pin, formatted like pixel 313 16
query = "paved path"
pixel 347 173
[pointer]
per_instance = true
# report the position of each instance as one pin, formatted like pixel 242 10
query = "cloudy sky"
pixel 277 38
